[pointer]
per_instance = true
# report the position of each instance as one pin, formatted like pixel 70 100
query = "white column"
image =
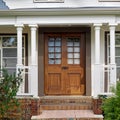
pixel 19 54
pixel 112 44
pixel 112 56
pixel 33 88
pixel 97 43
pixel 97 64
pixel 19 44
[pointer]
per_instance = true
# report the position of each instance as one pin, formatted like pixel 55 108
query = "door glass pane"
pixel 57 55
pixel 77 61
pixel 51 42
pixel 58 49
pixel 76 55
pixel 51 61
pixel 70 61
pixel 51 55
pixel 77 43
pixel 70 49
pixel 58 42
pixel 73 50
pixel 70 55
pixel 76 49
pixel 51 49
pixel 58 61
pixel 69 42
pixel 54 50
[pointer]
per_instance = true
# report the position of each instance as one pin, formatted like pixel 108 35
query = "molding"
pixel 19 25
pixel 48 1
pixel 33 25
pixel 109 0
pixel 97 24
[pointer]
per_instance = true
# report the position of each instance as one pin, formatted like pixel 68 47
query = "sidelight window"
pixel 117 52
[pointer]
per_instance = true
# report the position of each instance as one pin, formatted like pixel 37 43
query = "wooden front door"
pixel 65 64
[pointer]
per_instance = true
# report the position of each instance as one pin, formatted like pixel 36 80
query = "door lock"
pixel 64 67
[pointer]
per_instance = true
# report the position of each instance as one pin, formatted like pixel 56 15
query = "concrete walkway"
pixel 49 114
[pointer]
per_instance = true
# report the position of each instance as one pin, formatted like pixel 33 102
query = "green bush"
pixel 111 106
pixel 9 86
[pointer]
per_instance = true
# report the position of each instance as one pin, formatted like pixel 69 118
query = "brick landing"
pixel 67 115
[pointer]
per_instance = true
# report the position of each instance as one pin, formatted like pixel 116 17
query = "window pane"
pixel 117 53
pixel 11 71
pixel 117 61
pixel 9 62
pixel 117 39
pixel 9 42
pixel 118 74
pixel 0 57
pixel 9 52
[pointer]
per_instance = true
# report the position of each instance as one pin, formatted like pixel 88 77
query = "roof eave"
pixel 61 11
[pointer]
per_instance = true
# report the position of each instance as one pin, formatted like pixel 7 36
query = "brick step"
pixel 65 103
pixel 65 100
pixel 67 115
pixel 72 106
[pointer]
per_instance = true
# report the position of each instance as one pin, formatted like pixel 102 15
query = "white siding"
pixel 15 4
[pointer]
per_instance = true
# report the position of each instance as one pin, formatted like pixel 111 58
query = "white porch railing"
pixel 25 85
pixel 109 77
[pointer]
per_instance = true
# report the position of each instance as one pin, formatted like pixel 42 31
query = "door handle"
pixel 64 67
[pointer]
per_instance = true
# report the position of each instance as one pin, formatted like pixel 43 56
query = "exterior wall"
pixel 28 106
pixel 13 4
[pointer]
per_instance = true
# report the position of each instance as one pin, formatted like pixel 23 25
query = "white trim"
pixel 47 1
pixel 109 0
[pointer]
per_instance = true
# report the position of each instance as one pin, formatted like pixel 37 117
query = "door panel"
pixel 65 64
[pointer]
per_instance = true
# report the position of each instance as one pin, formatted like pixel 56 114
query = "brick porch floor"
pixel 67 115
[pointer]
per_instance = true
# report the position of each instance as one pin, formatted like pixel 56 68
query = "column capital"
pixel 113 24
pixel 97 24
pixel 19 25
pixel 33 25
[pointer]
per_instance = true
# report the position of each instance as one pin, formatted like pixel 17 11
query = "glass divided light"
pixel 54 50
pixel 73 50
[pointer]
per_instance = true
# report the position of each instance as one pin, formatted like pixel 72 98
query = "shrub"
pixel 111 106
pixel 9 86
